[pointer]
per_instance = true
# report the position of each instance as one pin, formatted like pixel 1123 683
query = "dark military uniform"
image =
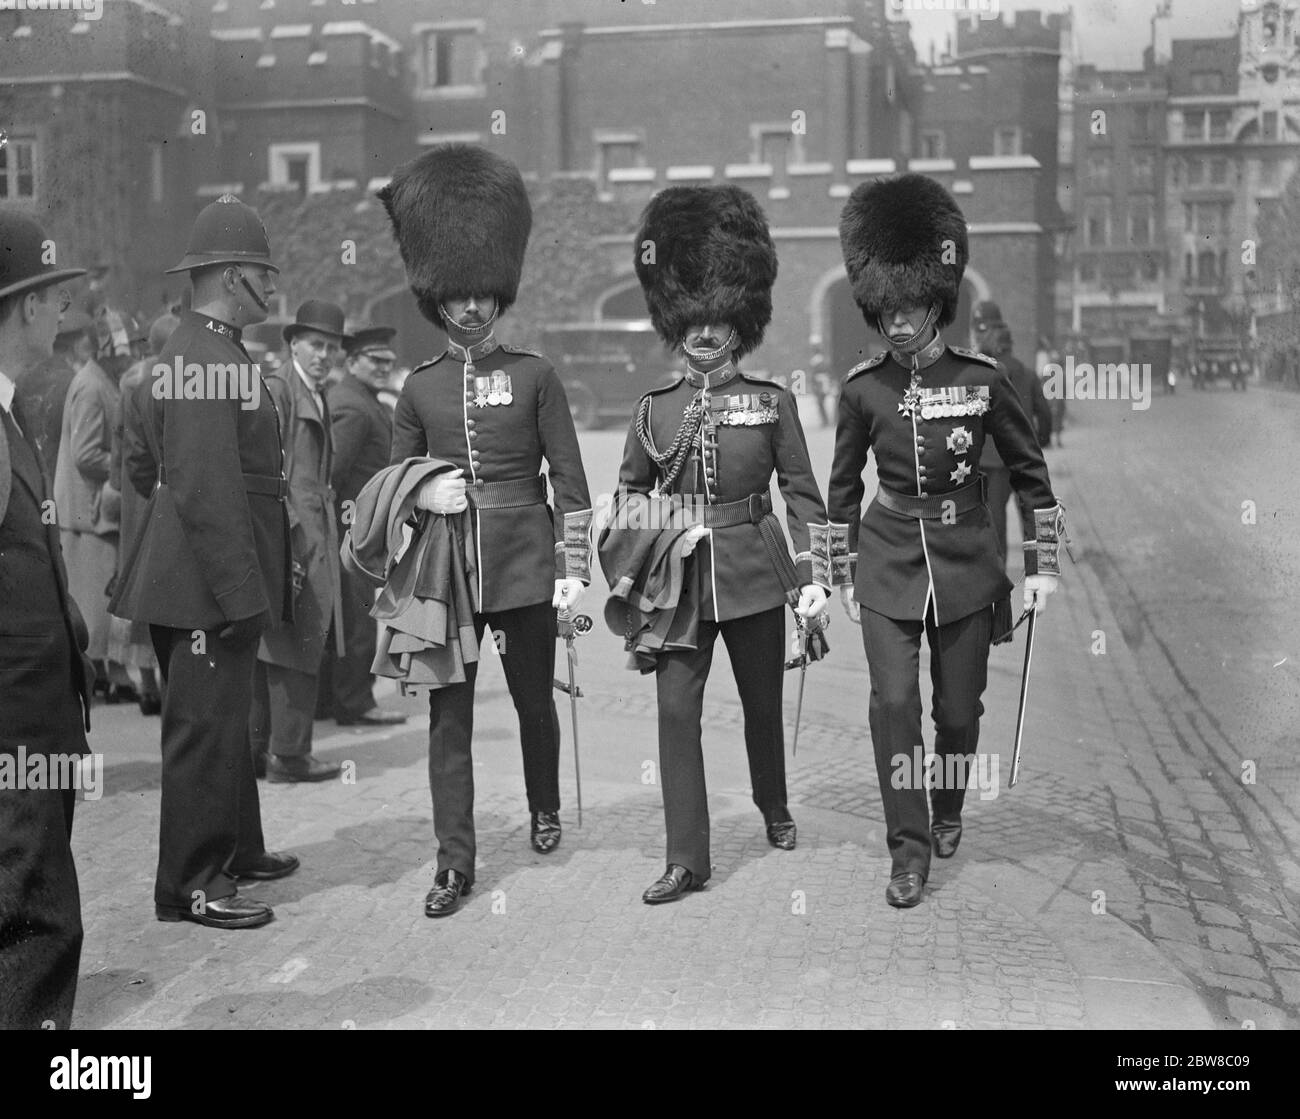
pixel 734 579
pixel 927 556
pixel 496 411
pixel 214 549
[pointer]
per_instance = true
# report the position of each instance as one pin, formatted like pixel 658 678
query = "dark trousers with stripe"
pixel 40 909
pixel 211 817
pixel 347 686
pixel 959 655
pixel 525 640
pixel 756 646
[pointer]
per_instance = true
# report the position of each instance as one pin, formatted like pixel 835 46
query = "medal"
pixel 500 393
pixel 494 398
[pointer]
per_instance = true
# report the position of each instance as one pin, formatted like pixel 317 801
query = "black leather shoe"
pixel 375 717
pixel 782 835
pixel 545 832
pixel 307 768
pixel 676 881
pixel 904 890
pixel 945 838
pixel 233 912
pixel 150 704
pixel 267 865
pixel 448 893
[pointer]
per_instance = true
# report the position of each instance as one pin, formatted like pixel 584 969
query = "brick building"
pixel 306 105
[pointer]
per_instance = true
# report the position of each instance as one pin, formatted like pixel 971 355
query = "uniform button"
pixel 472 433
pixel 470 422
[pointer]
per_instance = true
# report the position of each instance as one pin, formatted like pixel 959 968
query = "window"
pixel 1218 171
pixel 1006 141
pixel 1175 172
pixel 296 164
pixel 1140 220
pixel 1269 173
pixel 1099 172
pixel 933 145
pixel 1141 122
pixel 1189 267
pixel 1206 267
pixel 1195 171
pixel 451 58
pixel 1087 272
pixel 1268 126
pixel 1193 124
pixel 1207 81
pixel 18 168
pixel 1219 126
pixel 617 150
pixel 1143 167
pixel 1208 215
pixel 1150 267
pixel 1097 222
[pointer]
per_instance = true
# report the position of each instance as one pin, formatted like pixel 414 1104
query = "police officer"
pixel 715 437
pixel 926 552
pixel 461 217
pixel 991 336
pixel 210 571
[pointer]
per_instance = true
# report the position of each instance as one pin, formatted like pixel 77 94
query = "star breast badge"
pixel 911 398
pixel 958 476
pixel 960 441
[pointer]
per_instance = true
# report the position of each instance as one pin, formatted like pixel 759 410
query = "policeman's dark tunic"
pixel 941 574
pixel 497 416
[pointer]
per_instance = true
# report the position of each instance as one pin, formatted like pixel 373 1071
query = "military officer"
pixel 715 437
pixel 361 426
pixel 461 217
pixel 211 570
pixel 926 553
pixel 288 661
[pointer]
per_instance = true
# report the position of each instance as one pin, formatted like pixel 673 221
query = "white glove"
pixel 851 607
pixel 567 594
pixel 812 601
pixel 1037 588
pixel 693 537
pixel 443 494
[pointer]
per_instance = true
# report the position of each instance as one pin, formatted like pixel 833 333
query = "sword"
pixel 1024 693
pixel 570 629
pixel 801 662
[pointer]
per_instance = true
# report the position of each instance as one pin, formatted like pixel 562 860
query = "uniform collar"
pixel 714 379
pixel 7 388
pixel 470 354
pixel 926 356
pixel 218 326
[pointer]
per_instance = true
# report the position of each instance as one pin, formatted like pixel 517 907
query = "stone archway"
pixel 622 300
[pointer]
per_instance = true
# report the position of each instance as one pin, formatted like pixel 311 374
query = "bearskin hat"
pixel 461 217
pixel 904 243
pixel 710 259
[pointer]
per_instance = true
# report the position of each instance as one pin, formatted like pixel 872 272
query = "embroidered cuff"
pixel 832 564
pixel 577 545
pixel 1043 553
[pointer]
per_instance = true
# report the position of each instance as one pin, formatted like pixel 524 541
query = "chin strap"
pixel 917 341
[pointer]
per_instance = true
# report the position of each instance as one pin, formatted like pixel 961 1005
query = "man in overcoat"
pixel 287 674
pixel 45 682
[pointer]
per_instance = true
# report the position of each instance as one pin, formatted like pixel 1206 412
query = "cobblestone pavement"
pixel 1116 886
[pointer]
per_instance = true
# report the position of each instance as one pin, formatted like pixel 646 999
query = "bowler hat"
pixel 365 338
pixel 23 266
pixel 226 232
pixel 316 314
